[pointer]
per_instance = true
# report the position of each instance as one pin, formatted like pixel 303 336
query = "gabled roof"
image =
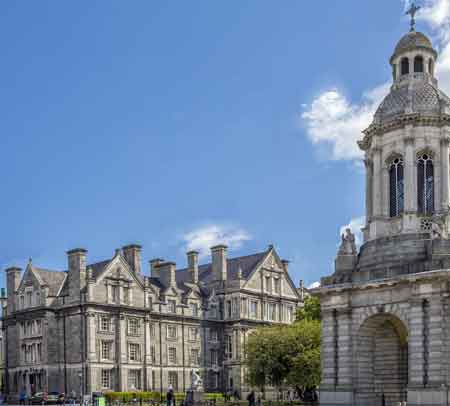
pixel 53 279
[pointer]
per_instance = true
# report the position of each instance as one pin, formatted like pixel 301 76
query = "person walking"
pixel 251 398
pixel 170 397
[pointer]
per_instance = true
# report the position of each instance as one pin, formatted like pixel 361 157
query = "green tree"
pixel 281 354
pixel 310 309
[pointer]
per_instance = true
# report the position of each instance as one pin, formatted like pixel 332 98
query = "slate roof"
pixel 53 279
pixel 413 40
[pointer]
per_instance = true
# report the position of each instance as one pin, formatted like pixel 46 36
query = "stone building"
pixel 386 315
pixel 107 326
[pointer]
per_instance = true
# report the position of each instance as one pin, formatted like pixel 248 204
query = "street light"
pixel 80 375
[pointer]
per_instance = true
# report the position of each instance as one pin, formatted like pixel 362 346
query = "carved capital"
pixel 445 141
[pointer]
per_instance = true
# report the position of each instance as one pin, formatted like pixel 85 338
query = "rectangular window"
pixel 244 307
pixel 133 327
pixel 115 294
pixel 271 312
pixel 172 306
pixel 193 333
pixel 268 284
pixel 253 309
pixel 153 380
pixel 134 379
pixel 172 355
pixel 29 296
pixel 150 303
pixel 105 323
pixel 290 315
pixel 195 356
pixel 171 332
pixel 228 347
pixel 126 295
pixel 39 350
pixel 133 350
pixel 213 312
pixel 213 356
pixel 152 330
pixel 235 307
pixel 212 335
pixel 153 354
pixel 106 379
pixel 229 310
pixel 38 326
pixel 22 302
pixel 106 349
pixel 276 285
pixel 194 309
pixel 173 380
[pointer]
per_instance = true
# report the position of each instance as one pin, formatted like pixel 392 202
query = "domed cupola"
pixel 414 90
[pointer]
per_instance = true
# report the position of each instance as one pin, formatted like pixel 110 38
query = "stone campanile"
pixel 407 147
pixel 386 308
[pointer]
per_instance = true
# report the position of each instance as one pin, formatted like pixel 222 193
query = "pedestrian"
pixel 22 397
pixel 73 397
pixel 170 397
pixel 251 398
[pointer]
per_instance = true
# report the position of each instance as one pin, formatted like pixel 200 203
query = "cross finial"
pixel 412 12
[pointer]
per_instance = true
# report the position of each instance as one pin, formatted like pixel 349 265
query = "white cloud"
pixel 203 238
pixel 333 120
pixel 314 285
pixel 355 226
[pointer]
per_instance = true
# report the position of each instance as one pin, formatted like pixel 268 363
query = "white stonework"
pixel 385 310
pixel 107 326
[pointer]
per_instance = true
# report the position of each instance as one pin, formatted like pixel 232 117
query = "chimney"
pixel 167 273
pixel 154 264
pixel 132 254
pixel 219 262
pixel 301 288
pixel 12 284
pixel 77 272
pixel 193 266
pixel 285 263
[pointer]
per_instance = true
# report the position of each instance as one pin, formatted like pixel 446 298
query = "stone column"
pixel 445 168
pixel 436 341
pixel 409 162
pixel 147 353
pixel 121 351
pixel 329 367
pixel 368 166
pixel 377 180
pixel 416 347
pixel 344 338
pixel 385 191
pixel 91 335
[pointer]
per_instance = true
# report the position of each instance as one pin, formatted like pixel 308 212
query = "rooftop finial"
pixel 412 12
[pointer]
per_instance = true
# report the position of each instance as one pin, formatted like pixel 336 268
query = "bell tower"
pixel 406 147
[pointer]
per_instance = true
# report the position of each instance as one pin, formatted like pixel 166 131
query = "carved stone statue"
pixel 348 245
pixel 438 228
pixel 196 381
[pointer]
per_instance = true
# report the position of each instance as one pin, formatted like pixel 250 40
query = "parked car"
pixel 53 398
pixel 39 398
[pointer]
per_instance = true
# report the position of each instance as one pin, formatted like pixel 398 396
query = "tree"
pixel 282 354
pixel 310 309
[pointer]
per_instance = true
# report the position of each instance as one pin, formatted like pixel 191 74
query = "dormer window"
pixel 405 66
pixel 172 306
pixel 418 64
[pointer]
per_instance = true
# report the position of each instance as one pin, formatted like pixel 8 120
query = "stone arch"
pixel 419 64
pixel 381 359
pixel 404 66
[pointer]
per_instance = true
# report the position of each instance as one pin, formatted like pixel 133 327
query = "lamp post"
pixel 80 375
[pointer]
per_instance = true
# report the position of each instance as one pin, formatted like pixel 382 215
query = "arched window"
pixel 425 184
pixel 430 67
pixel 396 185
pixel 418 64
pixel 405 66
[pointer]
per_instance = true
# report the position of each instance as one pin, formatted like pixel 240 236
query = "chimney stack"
pixel 285 263
pixel 77 272
pixel 167 273
pixel 193 266
pixel 132 254
pixel 219 262
pixel 12 284
pixel 301 288
pixel 154 267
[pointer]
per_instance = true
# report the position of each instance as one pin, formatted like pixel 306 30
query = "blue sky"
pixel 179 124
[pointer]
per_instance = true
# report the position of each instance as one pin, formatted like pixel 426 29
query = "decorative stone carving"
pixel 348 245
pixel 438 227
pixel 196 381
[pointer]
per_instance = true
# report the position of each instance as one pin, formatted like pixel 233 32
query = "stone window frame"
pixel 213 357
pixel 253 314
pixel 136 385
pixel 193 333
pixel 105 378
pixel 430 157
pixel 106 350
pixel 172 355
pixel 395 166
pixel 172 306
pixel 194 309
pixel 172 379
pixel 134 327
pixel 213 335
pixel 172 327
pixel 194 356
pixel 134 352
pixel 105 323
pixel 153 354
